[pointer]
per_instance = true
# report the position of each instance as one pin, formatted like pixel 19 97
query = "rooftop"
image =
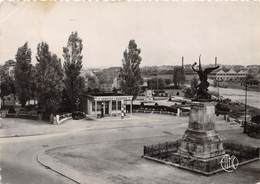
pixel 104 94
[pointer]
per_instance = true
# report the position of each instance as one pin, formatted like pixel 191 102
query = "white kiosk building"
pixel 110 103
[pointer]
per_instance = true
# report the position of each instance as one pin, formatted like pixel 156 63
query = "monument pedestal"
pixel 201 140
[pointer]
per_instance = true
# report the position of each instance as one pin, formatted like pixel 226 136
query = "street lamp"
pixel 245 121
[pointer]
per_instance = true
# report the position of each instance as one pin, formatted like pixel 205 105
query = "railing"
pixel 21 115
pixel 160 109
pixel 244 153
pixel 253 129
pixel 154 112
pixel 162 149
pixel 60 118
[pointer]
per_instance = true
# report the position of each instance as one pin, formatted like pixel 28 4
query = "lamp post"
pixel 245 121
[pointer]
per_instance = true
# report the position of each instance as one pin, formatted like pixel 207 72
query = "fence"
pixel 243 153
pixel 22 116
pixel 60 118
pixel 161 150
pixel 155 112
pixel 161 109
pixel 253 129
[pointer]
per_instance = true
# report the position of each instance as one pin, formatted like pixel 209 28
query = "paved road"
pixel 253 97
pixel 18 154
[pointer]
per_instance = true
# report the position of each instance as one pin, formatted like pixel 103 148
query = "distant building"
pixel 116 83
pixel 230 75
pixel 9 67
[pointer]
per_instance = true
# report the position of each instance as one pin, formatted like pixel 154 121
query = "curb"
pixel 63 170
pixel 25 135
pixel 40 159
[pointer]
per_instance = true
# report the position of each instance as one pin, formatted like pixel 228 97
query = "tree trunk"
pixel 23 104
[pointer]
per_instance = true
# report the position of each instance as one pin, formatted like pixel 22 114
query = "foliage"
pixel 187 92
pixel 193 84
pixel 191 91
pixel 49 79
pixel 215 83
pixel 130 75
pixel 32 82
pixel 250 80
pixel 178 76
pixel 23 73
pixel 72 67
pixel 155 83
pixel 92 82
pixel 115 90
pixel 6 86
pixel 149 70
pixel 107 76
pixel 167 81
pixel 256 119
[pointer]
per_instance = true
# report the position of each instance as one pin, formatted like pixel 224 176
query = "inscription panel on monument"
pixel 210 118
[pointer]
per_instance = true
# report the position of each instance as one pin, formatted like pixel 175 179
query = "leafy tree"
pixel 187 92
pixel 115 90
pixel 6 86
pixel 193 85
pixel 178 76
pixel 33 81
pixel 22 73
pixel 72 67
pixel 49 84
pixel 167 81
pixel 250 80
pixel 215 83
pixel 155 83
pixel 92 82
pixel 191 91
pixel 130 75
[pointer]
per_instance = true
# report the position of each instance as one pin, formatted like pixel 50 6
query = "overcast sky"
pixel 164 31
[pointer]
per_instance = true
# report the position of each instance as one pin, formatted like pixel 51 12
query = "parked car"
pixel 78 115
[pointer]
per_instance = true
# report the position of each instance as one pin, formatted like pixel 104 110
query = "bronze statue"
pixel 202 87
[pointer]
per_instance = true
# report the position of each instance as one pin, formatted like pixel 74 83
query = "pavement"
pixel 105 152
pixel 14 127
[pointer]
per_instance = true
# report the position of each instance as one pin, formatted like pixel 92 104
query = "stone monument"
pixel 201 149
pixel 200 141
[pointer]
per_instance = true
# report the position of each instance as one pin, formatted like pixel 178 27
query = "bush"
pixel 256 119
pixel 11 110
pixel 78 115
pixel 155 108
